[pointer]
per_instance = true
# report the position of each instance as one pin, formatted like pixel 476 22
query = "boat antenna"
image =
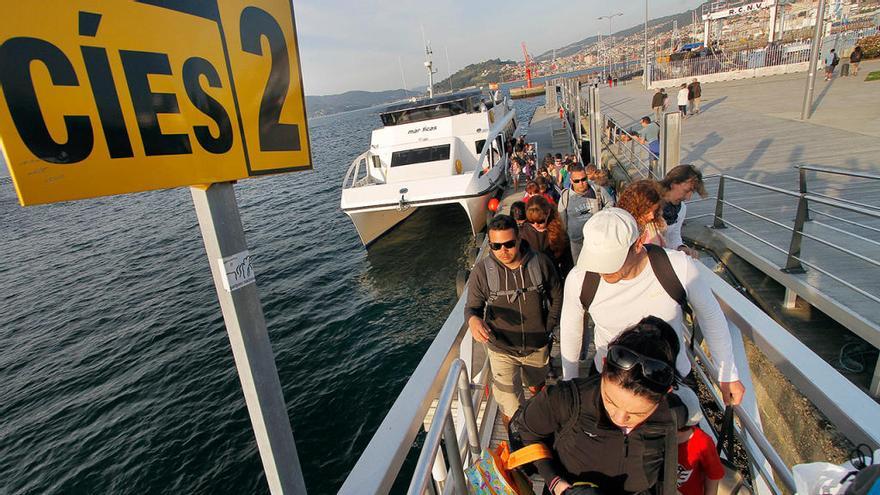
pixel 402 76
pixel 429 65
pixel 448 70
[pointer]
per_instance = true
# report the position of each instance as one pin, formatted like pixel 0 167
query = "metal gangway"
pixel 451 384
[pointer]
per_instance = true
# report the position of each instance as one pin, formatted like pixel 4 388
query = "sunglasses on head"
pixel 495 246
pixel 578 181
pixel 654 370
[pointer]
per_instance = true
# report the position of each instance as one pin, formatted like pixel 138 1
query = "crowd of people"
pixel 577 263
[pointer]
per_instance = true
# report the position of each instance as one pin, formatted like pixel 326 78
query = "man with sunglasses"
pixel 577 204
pixel 627 288
pixel 514 300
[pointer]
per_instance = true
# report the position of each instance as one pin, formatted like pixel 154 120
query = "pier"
pixel 800 200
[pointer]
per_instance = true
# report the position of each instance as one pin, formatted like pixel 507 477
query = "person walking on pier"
pixel 643 201
pixel 577 204
pixel 544 233
pixel 619 280
pixel 677 187
pixel 514 301
pixel 616 431
pixel 831 61
pixel 657 104
pixel 683 100
pixel 695 91
pixel 855 58
pixel 649 135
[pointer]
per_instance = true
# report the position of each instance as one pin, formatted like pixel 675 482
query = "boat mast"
pixel 430 66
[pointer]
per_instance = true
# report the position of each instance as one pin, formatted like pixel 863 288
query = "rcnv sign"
pixel 108 97
pixel 742 9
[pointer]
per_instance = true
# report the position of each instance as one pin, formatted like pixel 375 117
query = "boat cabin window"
pixel 479 145
pixel 377 162
pixel 420 155
pixel 411 115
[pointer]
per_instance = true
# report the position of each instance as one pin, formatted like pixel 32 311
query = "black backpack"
pixel 662 269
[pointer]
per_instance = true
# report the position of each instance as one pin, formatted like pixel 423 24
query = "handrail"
pixel 838 171
pixel 755 433
pixel 794 262
pixel 754 430
pixel 353 169
pixel 380 462
pixel 392 442
pixel 443 428
pixel 634 158
pixel 760 186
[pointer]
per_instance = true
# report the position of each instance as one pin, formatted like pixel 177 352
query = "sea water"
pixel 116 374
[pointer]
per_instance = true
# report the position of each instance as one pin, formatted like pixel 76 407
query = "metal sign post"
pixel 670 143
pixel 595 128
pixel 230 262
pixel 225 79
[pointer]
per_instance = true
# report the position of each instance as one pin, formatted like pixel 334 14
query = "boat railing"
pixel 358 173
pixel 487 148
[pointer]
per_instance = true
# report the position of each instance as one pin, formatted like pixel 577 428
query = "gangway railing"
pixel 628 151
pixel 379 465
pixel 749 428
pixel 795 261
pixel 443 428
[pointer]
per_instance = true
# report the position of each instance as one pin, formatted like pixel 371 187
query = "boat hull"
pixel 373 224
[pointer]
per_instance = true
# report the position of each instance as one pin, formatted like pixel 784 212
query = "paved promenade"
pixel 751 129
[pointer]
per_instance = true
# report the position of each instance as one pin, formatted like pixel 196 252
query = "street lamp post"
pixel 814 60
pixel 645 70
pixel 610 17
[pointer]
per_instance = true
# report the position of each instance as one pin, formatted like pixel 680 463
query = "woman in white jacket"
pixel 683 100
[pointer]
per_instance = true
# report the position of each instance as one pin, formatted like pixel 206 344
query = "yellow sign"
pixel 101 98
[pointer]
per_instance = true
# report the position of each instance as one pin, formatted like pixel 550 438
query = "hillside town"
pixel 732 25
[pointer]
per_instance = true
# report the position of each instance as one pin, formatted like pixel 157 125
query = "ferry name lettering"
pixel 423 129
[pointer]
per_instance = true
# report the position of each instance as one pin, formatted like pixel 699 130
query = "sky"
pixel 353 44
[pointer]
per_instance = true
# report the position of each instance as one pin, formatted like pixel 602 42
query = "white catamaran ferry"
pixel 432 151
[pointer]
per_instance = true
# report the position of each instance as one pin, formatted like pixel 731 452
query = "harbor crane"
pixel 529 62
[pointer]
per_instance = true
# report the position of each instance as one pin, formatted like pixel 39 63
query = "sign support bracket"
pixel 223 234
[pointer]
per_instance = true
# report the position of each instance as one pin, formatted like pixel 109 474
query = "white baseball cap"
pixel 608 236
pixel 692 402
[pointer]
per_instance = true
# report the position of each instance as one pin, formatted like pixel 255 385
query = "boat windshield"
pixel 428 110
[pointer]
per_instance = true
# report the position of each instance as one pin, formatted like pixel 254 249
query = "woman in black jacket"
pixel 615 431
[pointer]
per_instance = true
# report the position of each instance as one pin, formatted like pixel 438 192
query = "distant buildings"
pixel 794 21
